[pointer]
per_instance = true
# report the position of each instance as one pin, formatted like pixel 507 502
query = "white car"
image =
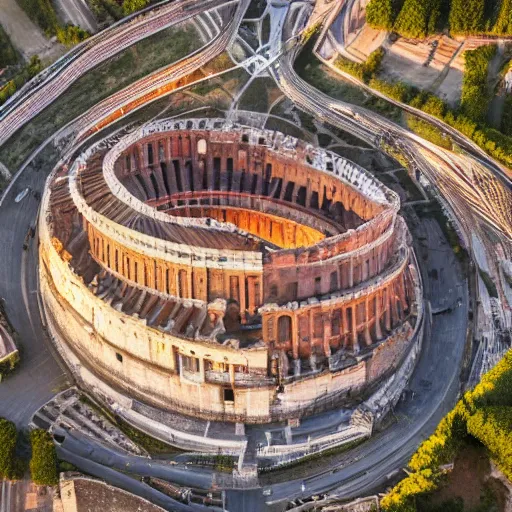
pixel 22 195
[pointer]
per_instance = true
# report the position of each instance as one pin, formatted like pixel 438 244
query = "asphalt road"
pixel 39 375
pixel 432 392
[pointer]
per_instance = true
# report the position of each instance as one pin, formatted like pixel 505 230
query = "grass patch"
pixel 428 131
pixel 256 96
pixel 142 58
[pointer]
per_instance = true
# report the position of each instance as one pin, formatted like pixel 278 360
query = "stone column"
pixel 232 374
pixel 242 283
pixel 387 313
pixel 378 330
pixel 355 343
pixel 367 335
pixel 345 327
pixel 327 333
pixel 351 273
pixel 294 335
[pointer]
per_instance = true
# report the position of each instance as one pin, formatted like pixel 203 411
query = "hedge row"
pixel 419 18
pixel 43 464
pixel 485 413
pixel 363 71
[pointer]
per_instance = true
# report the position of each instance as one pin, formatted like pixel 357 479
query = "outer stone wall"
pixel 256 332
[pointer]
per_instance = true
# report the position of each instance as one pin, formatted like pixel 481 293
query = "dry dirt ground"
pixel 25 35
pixel 433 64
pixel 472 481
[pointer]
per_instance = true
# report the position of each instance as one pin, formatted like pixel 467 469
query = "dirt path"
pixel 25 35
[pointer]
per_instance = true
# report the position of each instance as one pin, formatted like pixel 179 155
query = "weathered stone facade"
pixel 226 272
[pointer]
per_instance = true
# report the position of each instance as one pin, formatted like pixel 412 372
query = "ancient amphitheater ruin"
pixel 229 274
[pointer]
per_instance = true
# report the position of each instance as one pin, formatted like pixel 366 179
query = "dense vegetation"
pixel 381 14
pixel 503 23
pixel 469 119
pixel 475 95
pixel 8 55
pixel 11 467
pixel 28 72
pixel 506 118
pixel 418 18
pixel 43 464
pixel 467 16
pixel 484 413
pixel 363 71
pixel 43 14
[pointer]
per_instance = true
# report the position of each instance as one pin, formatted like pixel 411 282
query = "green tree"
pixel 71 35
pixel 380 14
pixel 417 18
pixel 475 95
pixel 467 16
pixel 503 23
pixel 43 464
pixel 130 6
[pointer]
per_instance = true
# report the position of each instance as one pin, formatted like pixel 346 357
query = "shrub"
pixel 71 35
pixel 362 71
pixel 399 91
pixel 492 426
pixel 130 6
pixel 43 464
pixel 8 436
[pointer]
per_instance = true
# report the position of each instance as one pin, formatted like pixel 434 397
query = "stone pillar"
pixel 378 330
pixel 232 374
pixel 387 312
pixel 355 343
pixel 295 337
pixel 327 333
pixel 351 273
pixel 345 327
pixel 367 335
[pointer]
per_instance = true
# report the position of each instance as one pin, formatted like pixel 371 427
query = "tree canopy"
pixel 43 464
pixel 380 14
